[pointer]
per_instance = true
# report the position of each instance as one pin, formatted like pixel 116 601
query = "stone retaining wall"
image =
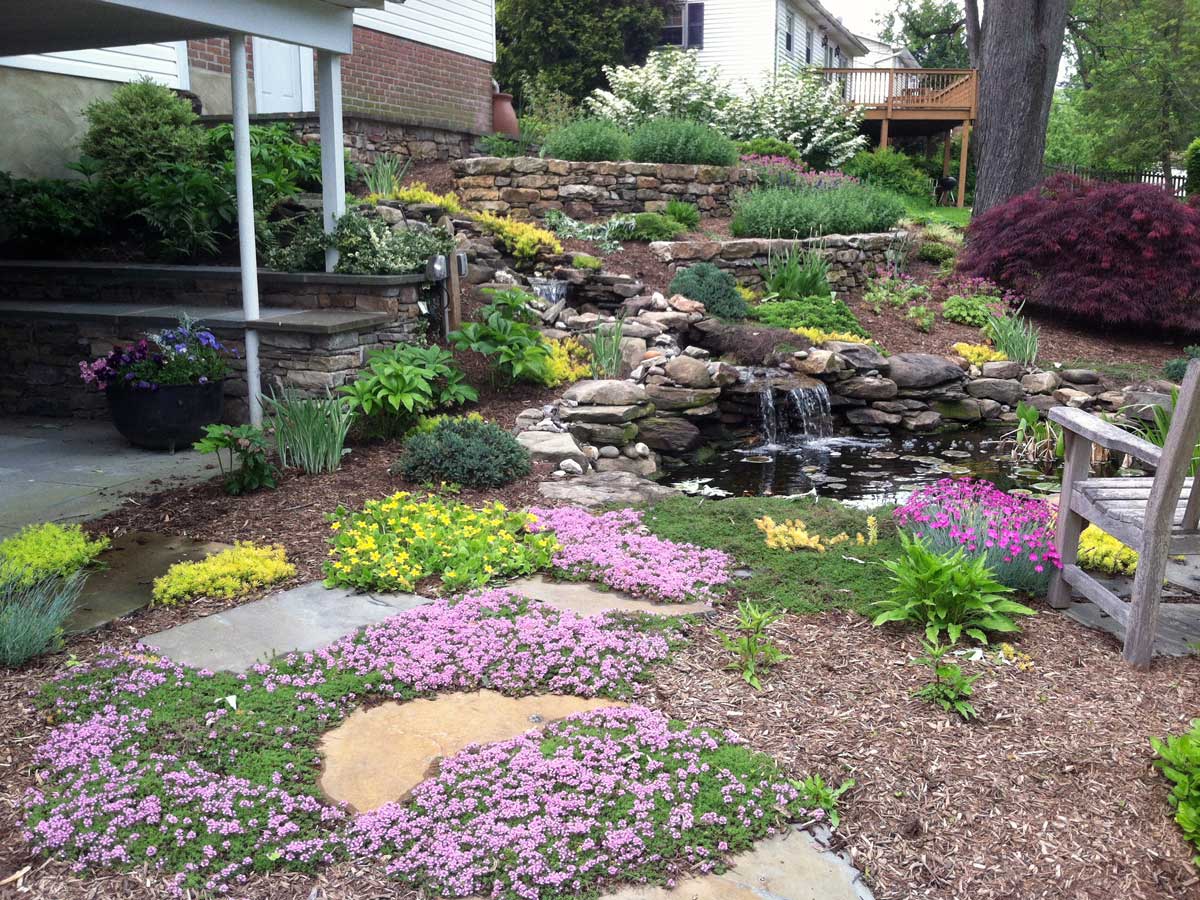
pixel 853 258
pixel 527 187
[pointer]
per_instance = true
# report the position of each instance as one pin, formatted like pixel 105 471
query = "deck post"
pixel 333 153
pixel 962 163
pixel 946 152
pixel 248 254
pixel 883 134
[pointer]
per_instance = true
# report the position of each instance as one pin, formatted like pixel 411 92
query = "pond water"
pixel 863 471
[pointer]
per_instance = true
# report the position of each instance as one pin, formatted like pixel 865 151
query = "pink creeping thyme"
pixel 616 549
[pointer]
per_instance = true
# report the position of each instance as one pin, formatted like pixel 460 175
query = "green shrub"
pixel 467 452
pixel 44 216
pixel 32 614
pixel 587 262
pixel 681 141
pixel 402 382
pixel 655 227
pixel 768 146
pixel 973 309
pixel 141 126
pixel 790 213
pixel 38 552
pixel 890 170
pixel 686 214
pixel 246 465
pixel 951 688
pixel 370 247
pixel 714 287
pixel 1191 159
pixel 821 312
pixel 588 140
pixel 933 252
pixel 1175 369
pixel 946 592
pixel 507 335
pixel 1179 761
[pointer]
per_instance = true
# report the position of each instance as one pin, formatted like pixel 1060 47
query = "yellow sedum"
pixel 231 573
pixel 793 534
pixel 1101 552
pixel 524 240
pixel 48 550
pixel 569 361
pixel 978 354
pixel 817 336
pixel 419 192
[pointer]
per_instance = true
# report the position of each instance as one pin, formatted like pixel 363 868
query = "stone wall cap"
pixel 154 270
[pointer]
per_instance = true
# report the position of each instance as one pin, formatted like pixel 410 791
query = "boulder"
pixel 867 387
pixel 632 350
pixel 609 452
pixel 689 372
pixel 1002 390
pixel 643 466
pixel 571 467
pixel 682 304
pixel 966 410
pixel 1002 369
pixel 599 433
pixel 990 409
pixel 553 447
pixel 926 420
pixel 860 356
pixel 605 392
pixel 872 417
pixel 608 415
pixel 669 434
pixel 819 362
pixel 1041 382
pixel 666 397
pixel 1141 404
pixel 635 329
pixel 1081 376
pixel 670 320
pixel 725 375
pixel 1071 397
pixel 922 370
pixel 613 488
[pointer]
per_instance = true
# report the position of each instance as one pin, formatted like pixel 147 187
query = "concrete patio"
pixel 69 470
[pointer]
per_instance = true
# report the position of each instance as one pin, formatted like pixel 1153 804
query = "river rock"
pixel 606 488
pixel 1041 382
pixel 1001 369
pixel 965 410
pixel 548 446
pixel 666 397
pixel 571 467
pixel 922 370
pixel 872 417
pixel 868 387
pixel 1081 376
pixel 608 415
pixel 635 329
pixel 671 320
pixel 605 392
pixel 669 434
pixel 610 452
pixel 1002 390
pixel 689 372
pixel 860 356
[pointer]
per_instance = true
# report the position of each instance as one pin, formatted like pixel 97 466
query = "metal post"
pixel 248 255
pixel 333 162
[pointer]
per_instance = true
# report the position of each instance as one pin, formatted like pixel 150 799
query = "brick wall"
pixel 392 79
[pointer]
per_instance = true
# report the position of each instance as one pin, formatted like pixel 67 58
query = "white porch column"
pixel 245 213
pixel 333 161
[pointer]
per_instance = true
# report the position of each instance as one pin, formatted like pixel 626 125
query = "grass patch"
pixel 847 576
pixel 926 211
pixel 1118 371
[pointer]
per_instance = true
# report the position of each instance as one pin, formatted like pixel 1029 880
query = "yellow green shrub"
pixel 569 361
pixel 524 240
pixel 231 573
pixel 41 551
pixel 748 294
pixel 419 192
pixel 978 354
pixel 818 336
pixel 1101 552
pixel 393 543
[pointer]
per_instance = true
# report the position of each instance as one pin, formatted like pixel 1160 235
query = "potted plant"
pixel 162 391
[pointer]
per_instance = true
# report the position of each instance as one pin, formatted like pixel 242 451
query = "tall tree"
pixel 934 31
pixel 1018 45
pixel 563 45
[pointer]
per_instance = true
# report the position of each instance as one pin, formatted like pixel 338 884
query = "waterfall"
pixel 770 416
pixel 549 289
pixel 813 411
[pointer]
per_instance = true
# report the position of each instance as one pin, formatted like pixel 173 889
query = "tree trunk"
pixel 1021 44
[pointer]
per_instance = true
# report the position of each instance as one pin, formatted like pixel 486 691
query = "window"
pixel 684 26
pixel 789 35
pixel 808 46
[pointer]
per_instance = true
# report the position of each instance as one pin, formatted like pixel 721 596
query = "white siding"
pixel 464 26
pixel 159 62
pixel 737 34
pixel 805 19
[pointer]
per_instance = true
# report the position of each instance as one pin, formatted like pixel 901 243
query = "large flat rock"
pixel 380 754
pixel 303 618
pixel 589 600
pixel 600 488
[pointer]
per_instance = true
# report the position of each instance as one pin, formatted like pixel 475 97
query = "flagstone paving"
pixel 304 618
pixel 588 600
pixel 379 754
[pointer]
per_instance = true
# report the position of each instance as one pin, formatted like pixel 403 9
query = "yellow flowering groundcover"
pixel 1100 551
pixel 393 543
pixel 43 551
pixel 230 573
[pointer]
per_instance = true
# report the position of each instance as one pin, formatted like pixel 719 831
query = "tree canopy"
pixel 933 30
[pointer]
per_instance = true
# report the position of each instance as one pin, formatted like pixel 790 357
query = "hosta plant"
pixel 1179 761
pixel 505 333
pixel 946 593
pixel 402 382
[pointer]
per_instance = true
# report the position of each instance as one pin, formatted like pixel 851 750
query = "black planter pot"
pixel 172 417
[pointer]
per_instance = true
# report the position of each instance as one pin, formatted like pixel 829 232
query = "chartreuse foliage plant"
pixel 523 240
pixel 651 226
pixel 203 778
pixel 38 552
pixel 977 354
pixel 824 313
pixel 570 360
pixel 419 192
pixel 231 573
pixel 948 593
pixel 1179 761
pixel 464 451
pixel 1101 552
pixel 393 543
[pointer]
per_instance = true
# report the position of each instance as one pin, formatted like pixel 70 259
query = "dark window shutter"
pixel 695 25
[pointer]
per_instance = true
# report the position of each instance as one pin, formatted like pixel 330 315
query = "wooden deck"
pixel 949 95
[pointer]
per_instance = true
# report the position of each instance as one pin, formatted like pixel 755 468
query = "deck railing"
pixel 939 90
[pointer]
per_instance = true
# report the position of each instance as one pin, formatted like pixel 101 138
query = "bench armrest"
pixel 1097 431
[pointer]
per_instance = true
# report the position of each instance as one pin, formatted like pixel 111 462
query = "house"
pixel 734 36
pixel 418 82
pixel 882 55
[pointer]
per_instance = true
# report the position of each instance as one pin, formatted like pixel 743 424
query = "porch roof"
pixel 48 26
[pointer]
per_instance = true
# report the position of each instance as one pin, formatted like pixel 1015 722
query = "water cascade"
pixel 551 290
pixel 812 411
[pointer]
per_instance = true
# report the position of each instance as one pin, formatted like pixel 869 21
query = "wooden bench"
pixel 1156 516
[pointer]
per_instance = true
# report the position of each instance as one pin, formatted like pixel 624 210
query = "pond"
pixel 863 471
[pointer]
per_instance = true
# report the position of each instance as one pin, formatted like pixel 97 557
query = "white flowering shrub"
pixel 671 84
pixel 797 107
pixel 802 109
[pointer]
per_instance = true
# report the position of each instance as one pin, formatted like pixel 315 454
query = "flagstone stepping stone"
pixel 378 755
pixel 601 488
pixel 304 618
pixel 789 866
pixel 129 567
pixel 589 600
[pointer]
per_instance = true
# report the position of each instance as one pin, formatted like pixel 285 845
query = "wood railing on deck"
pixel 909 90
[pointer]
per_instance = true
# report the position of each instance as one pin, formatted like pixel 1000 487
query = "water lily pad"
pixel 758 459
pixel 951 469
pixel 1050 487
pixel 957 454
